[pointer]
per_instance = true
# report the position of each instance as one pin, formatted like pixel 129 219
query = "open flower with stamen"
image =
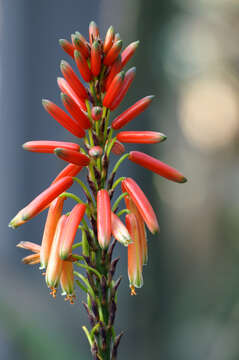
pixel 78 243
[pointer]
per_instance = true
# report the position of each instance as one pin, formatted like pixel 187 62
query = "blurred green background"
pixel 188 57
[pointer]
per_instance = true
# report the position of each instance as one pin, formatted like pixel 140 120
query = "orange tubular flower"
pixel 131 112
pixel 46 146
pixel 113 90
pixel 67 281
pixel 54 214
pixel 129 77
pixel 96 58
pixel 134 254
pixel 114 70
pixel 81 44
pixel 75 111
pixel 142 231
pixel 82 66
pixel 54 267
pixel 113 53
pixel 129 52
pixel 141 137
pixel 66 89
pixel 59 115
pixel 142 204
pixel 72 156
pixel 28 245
pixel 67 47
pixel 119 230
pixel 41 202
pixel 109 38
pixel 70 229
pixel 156 166
pixel 73 80
pixel 70 170
pixel 103 218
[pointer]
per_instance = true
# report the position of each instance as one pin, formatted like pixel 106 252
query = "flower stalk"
pixel 77 246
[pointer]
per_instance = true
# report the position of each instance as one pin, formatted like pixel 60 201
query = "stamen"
pixel 133 292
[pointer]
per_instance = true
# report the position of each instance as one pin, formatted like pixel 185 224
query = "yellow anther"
pixel 133 292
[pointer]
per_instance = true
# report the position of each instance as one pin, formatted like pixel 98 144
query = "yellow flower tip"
pixel 132 290
pixel 17 221
pixel 53 292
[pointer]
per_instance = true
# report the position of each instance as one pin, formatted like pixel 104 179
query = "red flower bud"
pixel 46 146
pixel 67 47
pixel 81 44
pixel 109 37
pixel 70 229
pixel 129 77
pixel 113 89
pixel 114 70
pixel 70 170
pixel 82 66
pixel 118 148
pixel 41 201
pixel 76 112
pixel 93 32
pixel 95 151
pixel 73 80
pixel 113 53
pixel 131 112
pixel 59 115
pixel 141 137
pixel 156 166
pixel 128 52
pixel 66 89
pixel 72 156
pixel 96 58
pixel 142 203
pixel 96 113
pixel 103 218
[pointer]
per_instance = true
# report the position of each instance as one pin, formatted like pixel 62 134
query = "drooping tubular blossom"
pixel 156 166
pixel 41 201
pixel 142 204
pixel 54 214
pixel 134 254
pixel 103 218
pixel 70 229
pixel 54 267
pixel 95 82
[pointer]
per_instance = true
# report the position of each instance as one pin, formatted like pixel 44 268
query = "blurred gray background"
pixel 188 57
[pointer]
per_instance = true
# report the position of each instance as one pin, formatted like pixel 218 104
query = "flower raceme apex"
pixel 94 83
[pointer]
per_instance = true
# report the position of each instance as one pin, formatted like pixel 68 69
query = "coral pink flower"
pixel 118 148
pixel 81 44
pixel 41 201
pixel 54 267
pixel 103 218
pixel 142 203
pixel 134 254
pixel 54 214
pixel 113 89
pixel 67 47
pixel 93 32
pixel 156 166
pixel 114 70
pixel 75 111
pixel 95 151
pixel 70 170
pixel 70 229
pixel 67 281
pixel 119 230
pixel 96 113
pixel 113 53
pixel 67 89
pixel 96 58
pixel 82 66
pixel 109 38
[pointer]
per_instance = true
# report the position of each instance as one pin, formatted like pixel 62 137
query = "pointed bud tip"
pixel 183 180
pixel 61 41
pixel 163 137
pixel 58 151
pixel 135 44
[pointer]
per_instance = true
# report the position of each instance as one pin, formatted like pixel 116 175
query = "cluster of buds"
pixel 88 104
